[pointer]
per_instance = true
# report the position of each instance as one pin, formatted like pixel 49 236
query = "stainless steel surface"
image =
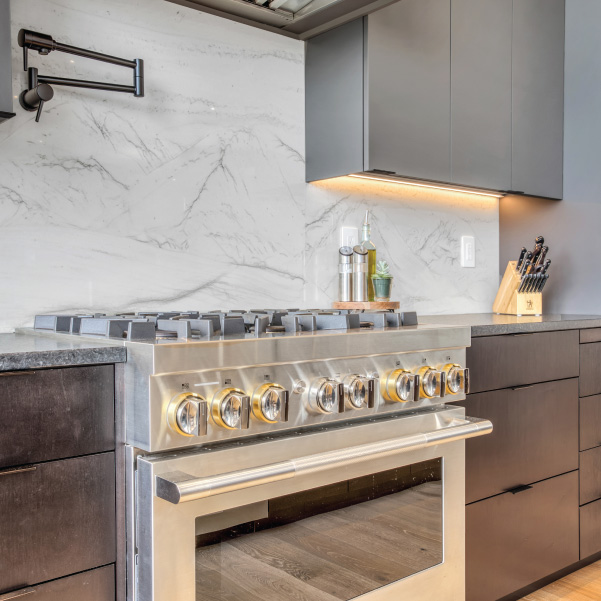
pixel 166 531
pixel 359 391
pixel 359 274
pixel 182 491
pixel 17 594
pixel 345 274
pixel 18 470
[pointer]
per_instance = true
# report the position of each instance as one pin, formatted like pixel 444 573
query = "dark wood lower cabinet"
pixel 95 585
pixel 590 529
pixel 590 475
pixel 513 540
pixel 590 422
pixel 56 519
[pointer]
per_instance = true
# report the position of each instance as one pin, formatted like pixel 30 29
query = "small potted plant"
pixel 382 281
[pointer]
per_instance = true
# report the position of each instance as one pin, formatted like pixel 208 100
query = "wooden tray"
pixel 373 306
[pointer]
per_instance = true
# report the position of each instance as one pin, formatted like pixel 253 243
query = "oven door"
pixel 371 511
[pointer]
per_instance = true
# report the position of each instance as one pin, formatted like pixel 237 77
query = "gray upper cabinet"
pixel 538 82
pixel 408 72
pixel 467 92
pixel 6 92
pixel 481 93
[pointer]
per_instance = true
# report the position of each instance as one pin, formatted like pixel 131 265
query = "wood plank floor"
pixel 583 585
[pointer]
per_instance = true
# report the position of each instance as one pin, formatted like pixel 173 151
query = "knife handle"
pixel 544 282
pixel 539 240
pixel 526 263
pixel 535 253
pixel 542 256
pixel 521 259
pixel 546 266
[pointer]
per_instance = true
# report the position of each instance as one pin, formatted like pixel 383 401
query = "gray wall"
pixel 572 227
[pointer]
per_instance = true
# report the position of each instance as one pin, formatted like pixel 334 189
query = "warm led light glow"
pixel 417 184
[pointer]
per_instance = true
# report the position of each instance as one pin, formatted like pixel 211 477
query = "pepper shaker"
pixel 359 274
pixel 345 274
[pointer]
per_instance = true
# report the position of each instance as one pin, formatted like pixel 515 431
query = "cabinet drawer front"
pixel 590 529
pixel 56 413
pixel 590 475
pixel 590 335
pixel 517 360
pixel 95 585
pixel 590 422
pixel 590 369
pixel 58 518
pixel 513 540
pixel 534 437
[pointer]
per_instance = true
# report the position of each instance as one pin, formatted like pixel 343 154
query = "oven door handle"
pixel 181 488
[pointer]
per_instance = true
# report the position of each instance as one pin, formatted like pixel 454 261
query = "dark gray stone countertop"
pixel 20 351
pixel 490 324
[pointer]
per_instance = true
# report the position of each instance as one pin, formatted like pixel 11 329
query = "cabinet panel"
pixel 590 529
pixel 590 475
pixel 481 93
pixel 6 83
pixel 95 585
pixel 538 86
pixel 56 413
pixel 513 540
pixel 408 89
pixel 56 520
pixel 590 369
pixel 518 360
pixel 590 422
pixel 590 335
pixel 535 436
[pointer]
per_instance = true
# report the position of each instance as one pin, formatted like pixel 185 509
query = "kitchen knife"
pixel 526 264
pixel 521 259
pixel 537 280
pixel 541 257
pixel 530 283
pixel 539 240
pixel 546 266
pixel 525 282
pixel 544 282
pixel 535 254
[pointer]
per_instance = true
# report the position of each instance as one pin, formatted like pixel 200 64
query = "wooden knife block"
pixel 511 302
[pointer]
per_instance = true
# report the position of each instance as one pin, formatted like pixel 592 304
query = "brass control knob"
pixel 433 382
pixel 401 386
pixel 187 414
pixel 458 378
pixel 230 409
pixel 270 403
pixel 326 394
pixel 359 391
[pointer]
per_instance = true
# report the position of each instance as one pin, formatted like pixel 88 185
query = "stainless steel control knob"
pixel 270 403
pixel 458 378
pixel 230 409
pixel 401 386
pixel 359 392
pixel 326 395
pixel 432 382
pixel 187 414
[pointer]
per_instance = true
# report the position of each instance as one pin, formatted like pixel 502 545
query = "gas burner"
pixel 190 325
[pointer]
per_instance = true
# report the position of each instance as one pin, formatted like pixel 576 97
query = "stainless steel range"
pixel 290 455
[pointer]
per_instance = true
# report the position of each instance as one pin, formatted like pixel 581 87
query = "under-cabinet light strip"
pixel 423 185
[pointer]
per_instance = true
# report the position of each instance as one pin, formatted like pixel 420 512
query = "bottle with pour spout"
pixel 369 246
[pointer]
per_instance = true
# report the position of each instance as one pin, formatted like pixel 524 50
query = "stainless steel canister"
pixel 359 274
pixel 345 274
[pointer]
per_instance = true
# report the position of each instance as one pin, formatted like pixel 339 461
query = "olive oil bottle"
pixel 369 246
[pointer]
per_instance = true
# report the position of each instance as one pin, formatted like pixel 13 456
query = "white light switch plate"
pixel 349 236
pixel 468 251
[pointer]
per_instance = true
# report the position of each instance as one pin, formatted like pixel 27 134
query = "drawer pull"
pixel 516 490
pixel 17 594
pixel 17 470
pixel 6 374
pixel 522 387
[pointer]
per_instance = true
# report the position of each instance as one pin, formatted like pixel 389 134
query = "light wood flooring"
pixel 583 585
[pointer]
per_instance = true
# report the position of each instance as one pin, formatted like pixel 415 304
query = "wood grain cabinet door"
pixel 521 359
pixel 590 529
pixel 56 413
pixel 57 518
pixel 590 369
pixel 513 540
pixel 535 436
pixel 590 422
pixel 590 475
pixel 95 585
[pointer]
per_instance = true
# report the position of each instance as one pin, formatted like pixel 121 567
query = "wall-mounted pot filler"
pixel 39 88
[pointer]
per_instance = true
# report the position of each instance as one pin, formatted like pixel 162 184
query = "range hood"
pixel 300 19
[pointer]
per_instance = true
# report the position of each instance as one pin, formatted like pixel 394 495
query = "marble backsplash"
pixel 194 196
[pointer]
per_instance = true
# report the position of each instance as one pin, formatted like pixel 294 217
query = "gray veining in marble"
pixel 194 196
pixel 491 324
pixel 20 352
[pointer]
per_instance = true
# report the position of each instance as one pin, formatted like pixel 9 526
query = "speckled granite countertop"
pixel 20 351
pixel 490 324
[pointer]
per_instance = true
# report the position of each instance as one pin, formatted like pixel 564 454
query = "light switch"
pixel 349 236
pixel 468 251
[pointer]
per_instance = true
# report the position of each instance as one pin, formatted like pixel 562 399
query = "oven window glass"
pixel 331 543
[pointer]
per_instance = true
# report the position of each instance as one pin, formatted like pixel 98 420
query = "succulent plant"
pixel 382 271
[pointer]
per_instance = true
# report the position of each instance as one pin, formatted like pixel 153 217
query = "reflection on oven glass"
pixel 331 543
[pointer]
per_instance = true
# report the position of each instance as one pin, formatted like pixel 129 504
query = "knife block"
pixel 511 302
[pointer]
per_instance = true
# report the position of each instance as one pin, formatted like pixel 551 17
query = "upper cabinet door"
pixel 408 75
pixel 538 80
pixel 6 92
pixel 481 93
